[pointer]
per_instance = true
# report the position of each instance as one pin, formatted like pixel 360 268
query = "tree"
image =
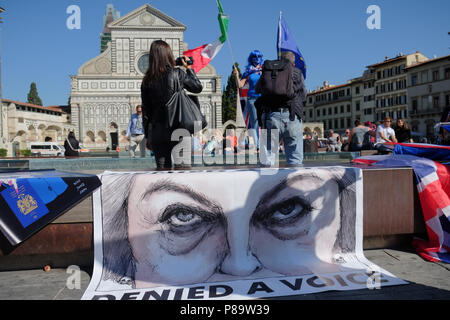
pixel 33 96
pixel 229 97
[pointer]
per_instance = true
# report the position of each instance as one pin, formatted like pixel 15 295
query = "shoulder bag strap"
pixel 70 145
pixel 177 81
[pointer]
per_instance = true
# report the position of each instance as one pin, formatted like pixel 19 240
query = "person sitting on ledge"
pixel 334 142
pixel 385 136
pixel 359 137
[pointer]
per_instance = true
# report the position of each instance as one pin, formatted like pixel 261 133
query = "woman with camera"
pixel 159 84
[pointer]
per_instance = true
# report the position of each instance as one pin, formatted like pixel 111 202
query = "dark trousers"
pixel 160 143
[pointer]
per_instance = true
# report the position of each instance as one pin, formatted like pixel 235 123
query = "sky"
pixel 36 45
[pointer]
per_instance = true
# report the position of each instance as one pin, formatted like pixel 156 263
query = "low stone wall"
pixel 392 216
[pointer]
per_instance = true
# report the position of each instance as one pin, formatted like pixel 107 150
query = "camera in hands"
pixel 179 61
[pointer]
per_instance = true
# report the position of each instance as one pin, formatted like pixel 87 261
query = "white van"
pixel 51 149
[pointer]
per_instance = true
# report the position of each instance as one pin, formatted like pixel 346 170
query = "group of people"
pixel 369 136
pixel 149 126
pixel 158 86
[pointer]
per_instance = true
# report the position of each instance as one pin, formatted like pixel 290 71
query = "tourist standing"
pixel 135 133
pixel 158 86
pixel 251 76
pixel 284 116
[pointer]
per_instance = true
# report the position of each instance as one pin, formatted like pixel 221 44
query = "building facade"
pixel 382 90
pixel 26 122
pixel 331 105
pixel 428 94
pixel 368 105
pixel 391 85
pixel 106 90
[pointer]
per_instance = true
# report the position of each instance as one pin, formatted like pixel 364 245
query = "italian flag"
pixel 203 55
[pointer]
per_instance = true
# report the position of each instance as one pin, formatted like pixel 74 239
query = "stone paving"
pixel 427 281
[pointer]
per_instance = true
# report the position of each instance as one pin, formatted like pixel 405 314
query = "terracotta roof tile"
pixel 428 61
pixel 26 104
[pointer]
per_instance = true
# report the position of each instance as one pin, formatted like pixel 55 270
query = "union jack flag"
pixel 433 184
pixel 424 150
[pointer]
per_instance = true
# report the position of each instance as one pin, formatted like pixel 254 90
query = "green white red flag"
pixel 204 54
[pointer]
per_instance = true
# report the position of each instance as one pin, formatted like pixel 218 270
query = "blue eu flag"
pixel 286 42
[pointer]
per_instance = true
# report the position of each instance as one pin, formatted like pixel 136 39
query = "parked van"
pixel 51 149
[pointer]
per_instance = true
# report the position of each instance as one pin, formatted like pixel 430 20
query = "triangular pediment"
pixel 146 17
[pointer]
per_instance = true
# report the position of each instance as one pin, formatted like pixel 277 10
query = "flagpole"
pixel 240 122
pixel 279 35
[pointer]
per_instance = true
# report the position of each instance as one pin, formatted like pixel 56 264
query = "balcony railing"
pixel 319 103
pixel 425 112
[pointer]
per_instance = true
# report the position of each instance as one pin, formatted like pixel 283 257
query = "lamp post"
pixel 1 21
pixel 2 141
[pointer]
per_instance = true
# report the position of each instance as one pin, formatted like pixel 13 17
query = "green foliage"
pixel 229 97
pixel 33 96
pixel 25 153
pixel 3 152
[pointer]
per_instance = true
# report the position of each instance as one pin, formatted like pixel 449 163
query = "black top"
pixel 157 93
pixel 75 146
pixel 402 135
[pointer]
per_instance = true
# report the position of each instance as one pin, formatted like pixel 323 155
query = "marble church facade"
pixel 106 90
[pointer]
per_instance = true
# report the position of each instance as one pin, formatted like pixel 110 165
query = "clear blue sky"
pixel 332 35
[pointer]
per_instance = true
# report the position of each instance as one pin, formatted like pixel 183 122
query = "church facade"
pixel 106 90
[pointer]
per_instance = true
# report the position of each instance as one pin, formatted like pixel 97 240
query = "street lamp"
pixel 1 97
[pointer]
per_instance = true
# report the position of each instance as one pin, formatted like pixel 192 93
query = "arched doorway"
pixel 32 134
pixel 54 132
pixel 101 137
pixel 89 139
pixel 114 134
pixel 19 143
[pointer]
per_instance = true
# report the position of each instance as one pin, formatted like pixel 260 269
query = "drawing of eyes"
pixel 286 219
pixel 184 226
pixel 182 219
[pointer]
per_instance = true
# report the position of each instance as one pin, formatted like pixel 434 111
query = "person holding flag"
pixel 204 54
pixel 251 77
pixel 284 113
pixel 286 42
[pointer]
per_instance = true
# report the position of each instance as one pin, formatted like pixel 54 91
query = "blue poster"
pixel 25 202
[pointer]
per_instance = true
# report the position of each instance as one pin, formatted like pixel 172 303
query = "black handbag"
pixel 184 111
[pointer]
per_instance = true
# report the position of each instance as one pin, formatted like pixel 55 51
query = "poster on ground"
pixel 30 200
pixel 231 234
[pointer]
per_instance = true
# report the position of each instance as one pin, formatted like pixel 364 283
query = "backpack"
pixel 277 80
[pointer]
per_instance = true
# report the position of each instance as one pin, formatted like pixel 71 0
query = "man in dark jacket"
pixel 286 117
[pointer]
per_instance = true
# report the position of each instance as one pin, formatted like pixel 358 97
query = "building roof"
pixel 172 23
pixel 387 60
pixel 330 87
pixel 429 61
pixel 26 104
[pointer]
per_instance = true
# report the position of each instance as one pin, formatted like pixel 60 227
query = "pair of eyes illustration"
pixel 182 218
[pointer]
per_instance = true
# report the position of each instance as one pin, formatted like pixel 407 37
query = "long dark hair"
pixel 405 124
pixel 160 59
